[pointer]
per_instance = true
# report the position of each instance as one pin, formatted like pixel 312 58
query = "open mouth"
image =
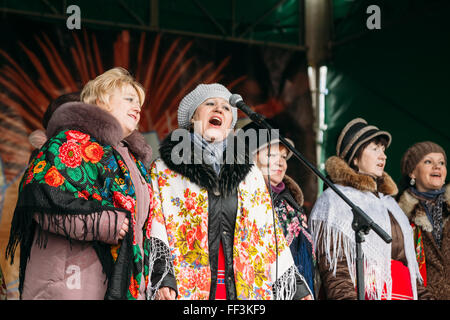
pixel 381 165
pixel 435 175
pixel 215 121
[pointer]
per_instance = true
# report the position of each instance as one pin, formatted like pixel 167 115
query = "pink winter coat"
pixel 62 270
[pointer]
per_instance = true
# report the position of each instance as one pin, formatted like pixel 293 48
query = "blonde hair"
pixel 102 86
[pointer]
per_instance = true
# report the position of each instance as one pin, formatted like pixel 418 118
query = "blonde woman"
pixel 81 216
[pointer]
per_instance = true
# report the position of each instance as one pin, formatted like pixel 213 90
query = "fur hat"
pixel 354 134
pixel 193 99
pixel 263 143
pixel 416 152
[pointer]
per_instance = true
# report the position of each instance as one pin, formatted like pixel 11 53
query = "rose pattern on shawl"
pixel 251 276
pixel 152 205
pixel 96 196
pixel 195 284
pixel 290 220
pixel 128 203
pixel 188 236
pixel 30 173
pixel 83 194
pixel 420 252
pixel 70 154
pixel 77 136
pixel 82 159
pixel 192 234
pixel 134 288
pixel 53 177
pixel 92 152
pixel 39 166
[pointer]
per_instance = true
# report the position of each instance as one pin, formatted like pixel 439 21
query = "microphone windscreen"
pixel 234 98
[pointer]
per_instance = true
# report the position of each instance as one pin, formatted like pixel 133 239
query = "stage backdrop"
pixel 40 61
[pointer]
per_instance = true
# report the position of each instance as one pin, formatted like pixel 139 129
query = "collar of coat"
pixel 294 189
pixel 416 212
pixel 230 175
pixel 341 173
pixel 100 124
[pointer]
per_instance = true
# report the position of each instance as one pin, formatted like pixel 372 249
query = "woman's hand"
pixel 124 229
pixel 308 297
pixel 165 293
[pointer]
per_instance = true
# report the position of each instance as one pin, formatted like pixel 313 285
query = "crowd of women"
pixel 97 219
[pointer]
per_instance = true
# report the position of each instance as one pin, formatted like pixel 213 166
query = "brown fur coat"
pixel 437 259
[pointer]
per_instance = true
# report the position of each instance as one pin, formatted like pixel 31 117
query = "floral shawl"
pixel 74 175
pixel 295 226
pixel 181 210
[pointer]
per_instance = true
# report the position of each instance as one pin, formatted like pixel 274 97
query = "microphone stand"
pixel 361 223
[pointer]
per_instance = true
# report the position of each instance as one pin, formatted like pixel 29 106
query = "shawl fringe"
pixel 159 264
pixel 285 286
pixel 336 245
pixel 59 209
pixel 331 221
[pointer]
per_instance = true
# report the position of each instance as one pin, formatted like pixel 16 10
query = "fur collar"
pixel 100 124
pixel 414 210
pixel 295 190
pixel 341 173
pixel 204 175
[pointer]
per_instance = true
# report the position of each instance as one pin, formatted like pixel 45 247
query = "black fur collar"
pixel 204 175
pixel 100 124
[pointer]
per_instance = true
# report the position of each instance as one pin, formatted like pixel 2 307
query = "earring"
pixel 412 181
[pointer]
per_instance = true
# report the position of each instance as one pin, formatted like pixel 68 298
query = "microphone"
pixel 237 102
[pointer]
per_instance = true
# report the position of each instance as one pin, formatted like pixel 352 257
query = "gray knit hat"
pixel 193 99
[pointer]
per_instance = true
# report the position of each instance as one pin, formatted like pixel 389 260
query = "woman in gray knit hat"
pixel 426 202
pixel 215 209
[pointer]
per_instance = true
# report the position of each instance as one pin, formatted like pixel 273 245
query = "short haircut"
pixel 103 85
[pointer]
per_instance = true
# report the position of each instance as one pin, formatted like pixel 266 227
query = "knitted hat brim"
pixel 190 103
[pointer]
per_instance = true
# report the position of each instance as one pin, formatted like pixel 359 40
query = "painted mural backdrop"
pixel 40 61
